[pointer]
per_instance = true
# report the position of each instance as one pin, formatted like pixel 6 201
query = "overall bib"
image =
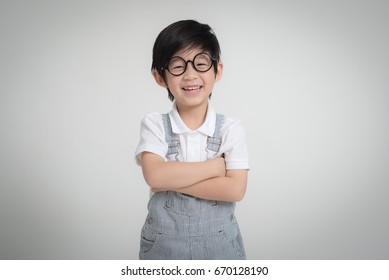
pixel 183 227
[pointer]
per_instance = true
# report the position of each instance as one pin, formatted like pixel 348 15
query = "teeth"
pixel 191 88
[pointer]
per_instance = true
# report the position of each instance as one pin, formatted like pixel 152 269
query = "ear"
pixel 219 73
pixel 159 79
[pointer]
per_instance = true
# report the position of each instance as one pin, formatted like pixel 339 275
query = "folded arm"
pixel 171 175
pixel 231 188
pixel 207 179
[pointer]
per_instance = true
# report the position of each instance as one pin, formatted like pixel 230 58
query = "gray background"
pixel 309 79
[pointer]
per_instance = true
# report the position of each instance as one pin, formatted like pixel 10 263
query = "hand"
pixel 220 166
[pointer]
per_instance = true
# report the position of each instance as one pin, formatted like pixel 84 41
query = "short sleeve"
pixel 152 137
pixel 234 146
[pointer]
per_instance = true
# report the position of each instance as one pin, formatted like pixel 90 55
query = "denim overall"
pixel 183 227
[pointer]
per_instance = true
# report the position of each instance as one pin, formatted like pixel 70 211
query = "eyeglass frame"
pixel 213 60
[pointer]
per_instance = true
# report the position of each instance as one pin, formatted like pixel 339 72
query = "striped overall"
pixel 183 227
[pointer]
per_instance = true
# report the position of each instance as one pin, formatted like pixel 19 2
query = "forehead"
pixel 189 53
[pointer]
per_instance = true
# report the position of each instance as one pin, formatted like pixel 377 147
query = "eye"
pixel 202 64
pixel 176 64
pixel 203 61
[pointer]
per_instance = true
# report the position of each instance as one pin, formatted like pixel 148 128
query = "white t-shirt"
pixel 193 143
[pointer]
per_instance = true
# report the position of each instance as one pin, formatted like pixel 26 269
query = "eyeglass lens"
pixel 202 62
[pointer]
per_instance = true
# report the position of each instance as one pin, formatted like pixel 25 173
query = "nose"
pixel 190 71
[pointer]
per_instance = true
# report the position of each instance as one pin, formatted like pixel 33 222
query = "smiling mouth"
pixel 191 89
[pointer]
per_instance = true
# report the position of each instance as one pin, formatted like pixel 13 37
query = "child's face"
pixel 192 88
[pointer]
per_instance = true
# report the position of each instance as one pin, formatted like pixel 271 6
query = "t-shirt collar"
pixel 207 128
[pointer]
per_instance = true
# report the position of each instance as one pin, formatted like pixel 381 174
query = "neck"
pixel 193 117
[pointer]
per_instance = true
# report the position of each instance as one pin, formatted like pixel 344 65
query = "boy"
pixel 194 160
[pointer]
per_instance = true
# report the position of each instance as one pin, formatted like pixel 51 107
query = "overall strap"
pixel 214 142
pixel 172 139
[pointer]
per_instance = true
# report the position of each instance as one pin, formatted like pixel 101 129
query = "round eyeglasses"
pixel 202 62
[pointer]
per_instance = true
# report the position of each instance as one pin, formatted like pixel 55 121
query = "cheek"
pixel 211 80
pixel 172 82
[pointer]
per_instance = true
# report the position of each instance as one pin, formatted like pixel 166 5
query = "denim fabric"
pixel 183 227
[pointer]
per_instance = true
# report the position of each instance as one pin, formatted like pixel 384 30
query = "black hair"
pixel 184 34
